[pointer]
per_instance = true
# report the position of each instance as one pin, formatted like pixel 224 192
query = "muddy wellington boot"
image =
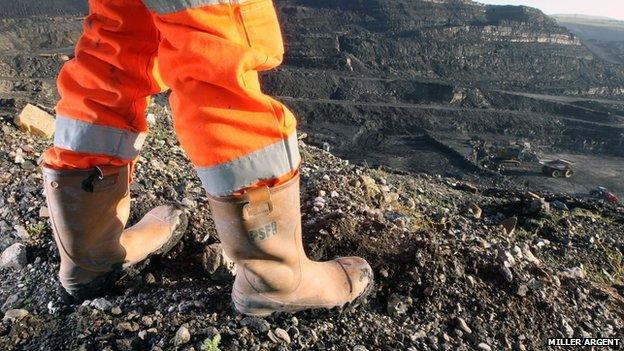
pixel 261 232
pixel 88 211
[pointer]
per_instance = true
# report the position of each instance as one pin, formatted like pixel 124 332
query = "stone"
pixel 398 305
pixel 35 121
pixel 14 256
pixel 522 290
pixel 509 225
pixel 27 148
pixel 150 278
pixel 506 273
pixel 257 325
pixel 182 336
pixel 467 187
pixel 272 337
pixel 537 207
pixel 128 327
pixel 116 311
pixel 151 118
pixel 558 205
pixel 101 304
pixel 21 232
pixel 282 335
pixel 461 324
pixel 29 166
pixel 421 334
pixel 475 210
pixel 14 315
pixel 484 347
pixel 12 302
pixel 573 273
pixel 217 263
pixel 566 328
pixel 528 255
pixel 53 307
pixel 44 212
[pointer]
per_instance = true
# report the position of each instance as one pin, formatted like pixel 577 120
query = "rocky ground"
pixel 457 266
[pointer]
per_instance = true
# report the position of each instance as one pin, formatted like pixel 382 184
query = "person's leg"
pixel 105 88
pixel 210 57
pixel 243 144
pixel 100 127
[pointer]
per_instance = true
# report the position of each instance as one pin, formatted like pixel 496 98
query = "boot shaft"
pixel 88 211
pixel 261 231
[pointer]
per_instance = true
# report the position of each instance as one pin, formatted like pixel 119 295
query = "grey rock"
pixel 522 290
pixel 12 302
pixel 537 206
pixel 15 256
pixel 101 304
pixel 53 307
pixel 573 273
pixel 182 336
pixel 257 325
pixel 566 328
pixel 559 205
pixel 21 232
pixel 461 324
pixel 421 334
pixel 29 166
pixel 484 347
pixel 506 273
pixel 217 263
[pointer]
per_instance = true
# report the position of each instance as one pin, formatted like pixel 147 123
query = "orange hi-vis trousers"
pixel 209 53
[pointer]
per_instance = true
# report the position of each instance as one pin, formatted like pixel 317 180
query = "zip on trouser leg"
pixel 210 54
pixel 105 88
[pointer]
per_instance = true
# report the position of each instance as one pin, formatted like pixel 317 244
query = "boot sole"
pixel 278 309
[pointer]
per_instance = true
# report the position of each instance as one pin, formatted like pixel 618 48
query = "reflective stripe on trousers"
pixel 84 137
pixel 267 163
pixel 163 7
pixel 209 53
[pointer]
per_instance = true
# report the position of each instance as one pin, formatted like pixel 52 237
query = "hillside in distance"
pixel 604 36
pixel 511 47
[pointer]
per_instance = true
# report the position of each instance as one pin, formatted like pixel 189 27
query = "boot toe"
pixel 359 273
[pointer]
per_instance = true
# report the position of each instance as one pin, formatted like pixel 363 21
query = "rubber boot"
pixel 261 232
pixel 88 212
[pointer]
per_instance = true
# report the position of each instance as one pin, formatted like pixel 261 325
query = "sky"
pixel 605 8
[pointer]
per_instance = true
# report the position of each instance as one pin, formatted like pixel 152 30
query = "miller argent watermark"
pixel 583 342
